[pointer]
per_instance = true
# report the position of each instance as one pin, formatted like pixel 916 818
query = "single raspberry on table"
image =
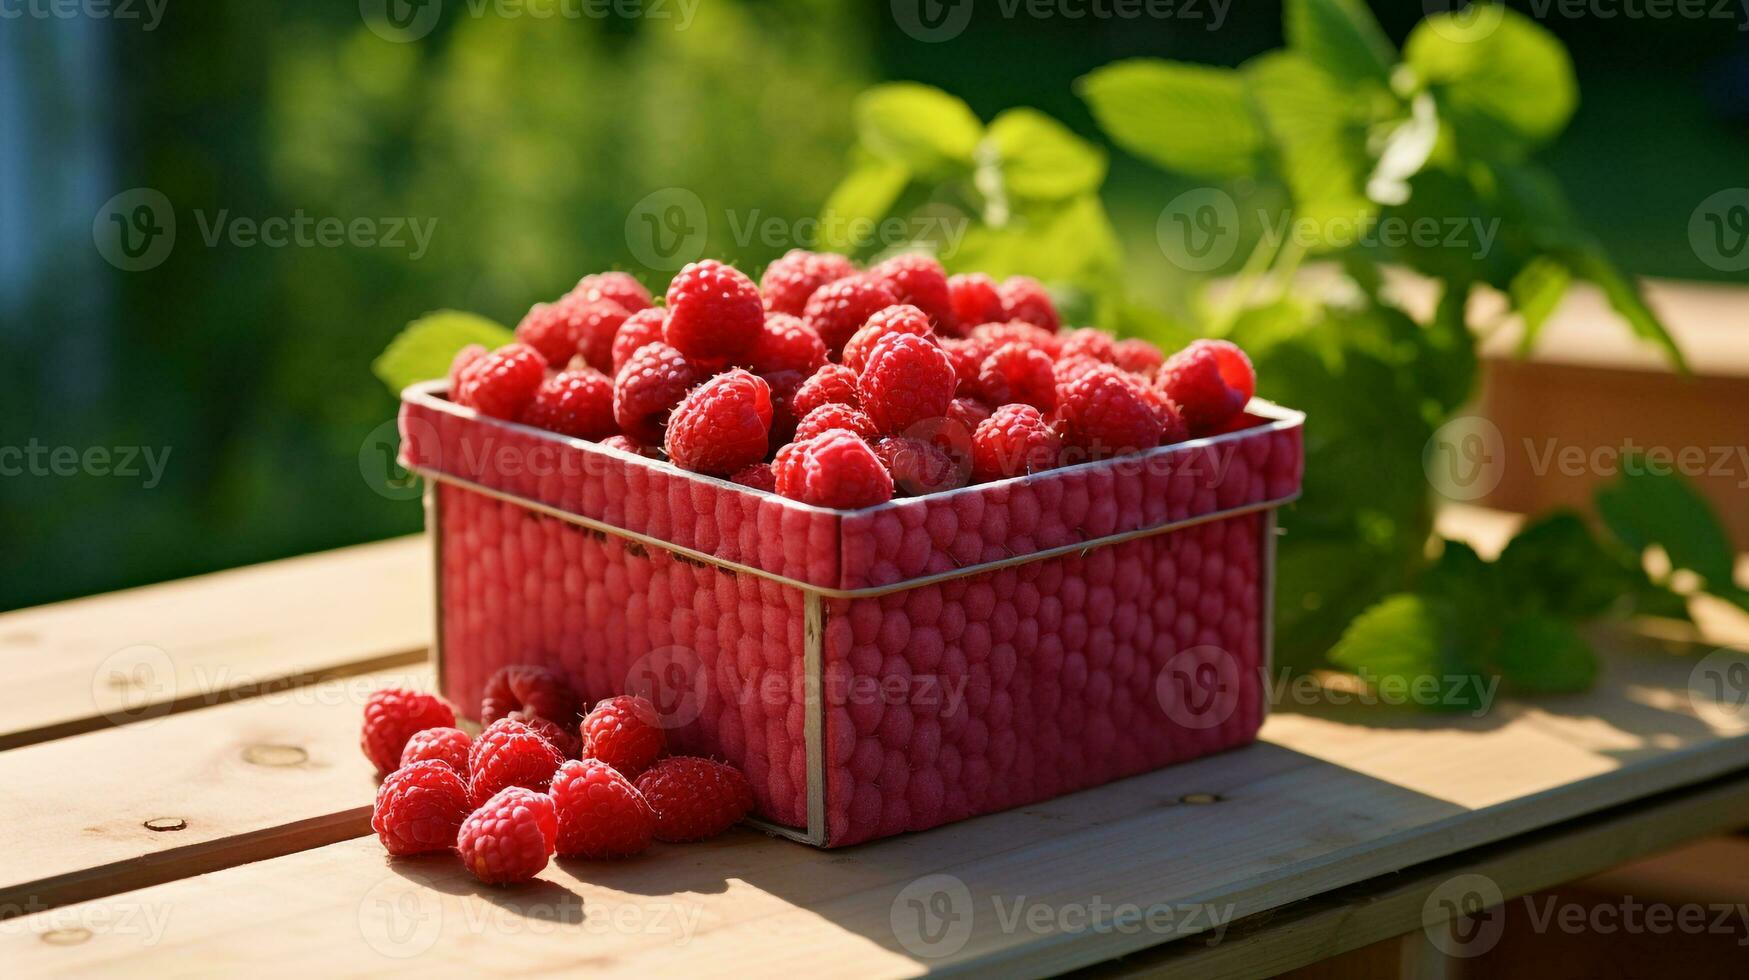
pixel 919 280
pixel 695 798
pixel 396 714
pixel 835 416
pixel 419 808
pixel 789 281
pixel 838 309
pixel 834 469
pixel 1210 381
pixel 502 383
pixel 833 384
pixel 1014 441
pixel 1018 372
pixel 625 732
pixel 509 753
pixel 898 318
pixel 722 425
pixel 646 390
pixel 918 466
pixel 1091 341
pixel 975 300
pixel 576 403
pixel 510 837
pixel 535 690
pixel 600 813
pixel 552 329
pixel 1138 356
pixel 1108 413
pixel 907 379
pixel 714 311
pixel 620 287
pixel 758 476
pixel 1023 298
pixel 598 325
pixel 786 343
pixel 642 327
pixel 558 736
pixel 446 745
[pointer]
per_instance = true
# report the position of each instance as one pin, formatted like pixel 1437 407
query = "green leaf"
pixel 1319 134
pixel 865 194
pixel 929 131
pixel 1340 36
pixel 1447 362
pixel 1536 291
pixel 1416 640
pixel 1041 159
pixel 1648 507
pixel 1461 577
pixel 1187 118
pixel 1555 566
pixel 1518 75
pixel 1625 298
pixel 1544 655
pixel 424 349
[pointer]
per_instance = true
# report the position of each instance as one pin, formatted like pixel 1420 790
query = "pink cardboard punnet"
pixel 880 670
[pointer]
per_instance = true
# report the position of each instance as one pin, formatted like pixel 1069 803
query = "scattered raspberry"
pixel 1018 372
pixel 898 318
pixel 722 425
pixel 598 324
pixel 509 753
pixel 994 335
pixel 790 280
pixel 510 837
pixel 758 476
pixel 975 300
pixel 906 379
pixel 918 466
pixel 501 383
pixel 833 384
pixel 642 327
pixel 619 287
pixel 838 309
pixel 419 808
pixel 446 745
pixel 695 798
pixel 835 416
pixel 967 357
pixel 535 690
pixel 1024 299
pixel 574 403
pixel 919 280
pixel 1210 381
pixel 834 469
pixel 1137 356
pixel 557 736
pixel 1091 341
pixel 786 344
pixel 1108 414
pixel 552 329
pixel 625 733
pixel 714 311
pixel 647 388
pixel 1014 441
pixel 968 412
pixel 600 813
pixel 396 714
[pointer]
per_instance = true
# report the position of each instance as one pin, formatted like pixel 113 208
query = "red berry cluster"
pixel 527 788
pixel 842 387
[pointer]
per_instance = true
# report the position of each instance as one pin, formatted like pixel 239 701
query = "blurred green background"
pixel 528 140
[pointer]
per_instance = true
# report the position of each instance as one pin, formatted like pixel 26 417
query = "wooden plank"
pixel 1334 796
pixel 115 659
pixel 122 808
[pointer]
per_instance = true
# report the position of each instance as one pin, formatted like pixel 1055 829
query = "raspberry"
pixel 838 309
pixel 1210 381
pixel 783 385
pixel 501 383
pixel 534 690
pixel 1071 369
pixel 1014 441
pixel 695 798
pixel 552 329
pixel 1091 341
pixel 835 416
pixel 919 280
pixel 625 733
pixel 714 311
pixel 967 357
pixel 758 476
pixel 898 318
pixel 574 403
pixel 446 745
pixel 642 327
pixel 600 813
pixel 786 344
pixel 968 412
pixel 419 808
pixel 619 287
pixel 834 469
pixel 994 335
pixel 919 466
pixel 510 837
pixel 788 282
pixel 722 425
pixel 1017 372
pixel 833 384
pixel 557 736
pixel 509 753
pixel 463 359
pixel 1108 414
pixel 1173 428
pixel 1024 299
pixel 598 324
pixel 975 300
pixel 907 379
pixel 394 715
pixel 1137 356
pixel 647 388
pixel 628 445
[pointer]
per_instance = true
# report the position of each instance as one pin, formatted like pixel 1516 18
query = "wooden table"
pixel 183 794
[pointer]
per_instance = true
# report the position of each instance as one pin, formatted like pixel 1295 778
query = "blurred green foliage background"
pixel 528 140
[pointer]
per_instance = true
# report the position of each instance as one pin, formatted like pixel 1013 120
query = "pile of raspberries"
pixel 840 387
pixel 537 781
